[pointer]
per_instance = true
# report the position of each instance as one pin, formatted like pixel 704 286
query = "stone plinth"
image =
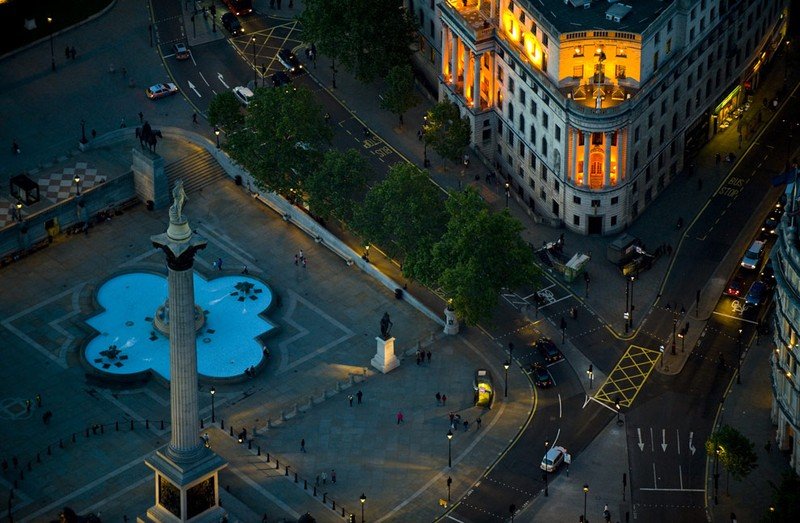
pixel 385 359
pixel 149 178
pixel 450 321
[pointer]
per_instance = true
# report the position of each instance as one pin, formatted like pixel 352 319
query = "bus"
pixel 240 7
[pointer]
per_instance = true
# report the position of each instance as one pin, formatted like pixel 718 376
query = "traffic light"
pixel 352 518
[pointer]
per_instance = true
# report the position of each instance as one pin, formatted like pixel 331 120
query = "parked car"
pixel 484 390
pixel 735 287
pixel 541 376
pixel 771 224
pixel 768 274
pixel 290 61
pixel 547 348
pixel 243 94
pixel 181 51
pixel 753 255
pixel 161 90
pixel 280 78
pixel 756 294
pixel 232 24
pixel 552 459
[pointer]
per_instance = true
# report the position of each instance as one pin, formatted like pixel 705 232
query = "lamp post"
pixel 52 52
pixel 632 307
pixel 590 373
pixel 618 407
pixel 216 132
pixel 674 324
pixel 506 365
pixel 716 474
pixel 424 141
pixel 508 193
pixel 77 181
pixel 682 336
pixel 449 448
pixel 449 482
pixel 739 358
pixel 19 212
pixel 213 414
pixel 255 69
pixel 362 499
pixel 585 492
pixel 544 474
pixel 83 131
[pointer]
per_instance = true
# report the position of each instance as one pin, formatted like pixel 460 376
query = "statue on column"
pixel 179 200
pixel 386 326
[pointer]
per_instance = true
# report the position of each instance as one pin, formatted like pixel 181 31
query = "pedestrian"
pixel 14 147
pixel 194 118
pixel 438 399
pixel 466 425
pixel 38 399
pixel 304 261
pixel 301 255
pixel 444 400
pixel 567 461
pixel 94 134
pixel 359 395
pixel 296 259
pixel 456 422
pixel 141 117
pixel 316 482
pixel 428 354
pixel 333 475
pixel 27 405
pixel 452 416
pixel 400 417
pixel 419 358
pixel 733 518
pixel 66 52
pixel 324 477
pixel 419 135
pixel 124 72
pixel 717 159
pixel 303 445
pixel 244 270
pixel 72 52
pixel 477 423
pixel 122 123
pixel 606 514
pixel 327 115
pixel 219 264
pixel 350 399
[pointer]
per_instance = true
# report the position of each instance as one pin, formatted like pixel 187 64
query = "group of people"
pixel 456 421
pixel 250 372
pixel 69 53
pixel 422 356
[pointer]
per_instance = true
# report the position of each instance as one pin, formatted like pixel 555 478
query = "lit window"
pixel 579 51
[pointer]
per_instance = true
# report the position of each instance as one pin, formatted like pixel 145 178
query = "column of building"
pixel 587 138
pixel 476 81
pixel 607 157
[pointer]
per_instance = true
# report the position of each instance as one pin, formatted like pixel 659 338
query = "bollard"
pixel 267 457
pixel 147 424
pixel 73 437
pixel 333 503
pixel 287 471
pixel 305 484
pixel 343 512
pixel 222 424
pixel 324 498
pixel 231 431
pixel 258 450
pixel 131 424
pixel 250 444
pixel 295 477
pixel 162 424
pixel 38 458
pixel 201 423
pixel 116 426
pixel 277 464
pixel 49 453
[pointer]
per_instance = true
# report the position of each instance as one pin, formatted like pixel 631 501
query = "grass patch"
pixel 65 13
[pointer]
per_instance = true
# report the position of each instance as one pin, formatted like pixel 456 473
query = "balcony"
pixel 472 16
pixel 599 91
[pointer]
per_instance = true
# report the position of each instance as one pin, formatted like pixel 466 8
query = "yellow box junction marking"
pixel 629 376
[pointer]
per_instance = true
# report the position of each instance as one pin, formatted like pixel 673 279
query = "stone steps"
pixel 197 171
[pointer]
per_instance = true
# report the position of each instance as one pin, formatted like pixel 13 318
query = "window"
pixel 521 151
pixel 486 135
pixel 522 96
pixel 693 14
pixel 636 161
pixel 655 60
pixel 649 146
pixel 636 134
pixel 430 29
pixel 661 134
pixel 647 175
pixel 613 221
pixel 511 85
pixel 674 122
pixel 532 161
pixel 545 120
pixel 650 120
pixel 542 194
pixel 545 40
pixel 510 112
pixel 676 94
pixel 521 124
pixel 543 173
pixel 558 133
pixel 619 71
pixel 663 106
pixel 421 18
pixel 500 74
pixel 669 25
pixel 533 108
pixel 577 71
pixel 544 147
pixel 556 186
pixel 576 220
pixel 533 135
pixel 635 187
pixel 555 208
pixel 615 200
pixel 595 203
pixel 668 47
pixel 691 34
pixel 576 200
pixel 511 138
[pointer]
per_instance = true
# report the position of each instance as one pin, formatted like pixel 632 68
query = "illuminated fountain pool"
pixel 131 327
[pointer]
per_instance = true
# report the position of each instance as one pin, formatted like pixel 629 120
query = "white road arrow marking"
pixel 691 445
pixel 219 77
pixel 664 440
pixel 193 88
pixel 641 443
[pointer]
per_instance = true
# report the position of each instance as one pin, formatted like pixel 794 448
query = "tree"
pixel 480 253
pixel 282 139
pixel 405 215
pixel 446 131
pixel 225 112
pixel 333 188
pixel 736 452
pixel 346 31
pixel 785 504
pixel 399 96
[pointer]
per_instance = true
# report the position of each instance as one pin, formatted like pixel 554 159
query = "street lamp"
pixel 585 492
pixel 19 212
pixel 508 193
pixel 544 474
pixel 506 365
pixel 213 415
pixel 618 407
pixel 255 69
pixel 674 324
pixel 739 358
pixel 77 181
pixel 449 448
pixel 629 302
pixel 716 474
pixel 216 131
pixel 590 373
pixel 52 53
pixel 83 131
pixel 362 499
pixel 449 482
pixel 682 336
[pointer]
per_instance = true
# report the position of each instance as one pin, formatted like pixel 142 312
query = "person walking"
pixel 333 475
pixel 477 423
pixel 438 399
pixel 296 259
pixel 359 395
pixel 444 400
pixel 194 118
pixel 400 417
pixel 141 117
pixel 219 264
pixel 38 399
pixel 466 425
pixel 122 123
pixel 27 405
pixel 350 399
pixel 324 477
pixel 303 445
pixel 428 355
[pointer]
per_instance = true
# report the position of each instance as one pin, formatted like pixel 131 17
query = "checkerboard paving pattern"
pixel 60 184
pixel 7 211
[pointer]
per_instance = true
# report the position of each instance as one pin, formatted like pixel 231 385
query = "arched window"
pixel 649 146
pixel 675 122
pixel 596 170
pixel 661 134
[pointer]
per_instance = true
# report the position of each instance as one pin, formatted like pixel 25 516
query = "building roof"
pixel 568 16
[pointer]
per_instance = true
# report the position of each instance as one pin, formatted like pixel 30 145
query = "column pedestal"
pixel 384 359
pixel 450 321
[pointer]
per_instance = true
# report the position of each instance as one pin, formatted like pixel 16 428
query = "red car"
pixel 735 287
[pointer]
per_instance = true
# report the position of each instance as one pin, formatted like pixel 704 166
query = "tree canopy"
pixel 368 36
pixel 480 253
pixel 225 111
pixel 282 138
pixel 446 131
pixel 336 184
pixel 736 452
pixel 399 96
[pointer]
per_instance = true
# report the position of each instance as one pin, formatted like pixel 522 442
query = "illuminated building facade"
pixel 589 108
pixel 785 384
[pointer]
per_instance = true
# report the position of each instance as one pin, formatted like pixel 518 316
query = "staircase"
pixel 196 170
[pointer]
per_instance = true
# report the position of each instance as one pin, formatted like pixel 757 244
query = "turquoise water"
pixel 226 344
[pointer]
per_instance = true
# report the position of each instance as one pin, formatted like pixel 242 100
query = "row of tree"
pixel 450 242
